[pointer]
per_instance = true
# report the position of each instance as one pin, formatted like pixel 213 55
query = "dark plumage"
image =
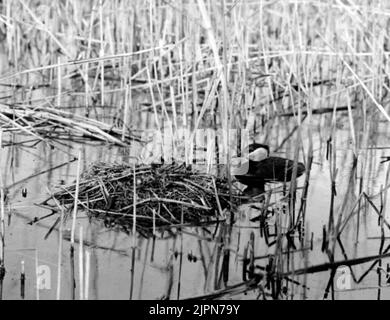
pixel 270 169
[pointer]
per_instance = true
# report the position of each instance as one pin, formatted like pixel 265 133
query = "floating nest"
pixel 166 196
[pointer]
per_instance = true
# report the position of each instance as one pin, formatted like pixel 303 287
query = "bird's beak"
pixel 239 166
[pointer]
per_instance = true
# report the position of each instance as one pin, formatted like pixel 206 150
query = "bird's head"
pixel 258 152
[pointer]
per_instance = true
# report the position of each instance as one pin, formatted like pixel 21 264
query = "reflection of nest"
pixel 166 195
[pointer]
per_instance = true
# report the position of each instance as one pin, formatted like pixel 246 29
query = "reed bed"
pixel 293 73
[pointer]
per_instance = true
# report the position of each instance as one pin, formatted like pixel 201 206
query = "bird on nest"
pixel 261 168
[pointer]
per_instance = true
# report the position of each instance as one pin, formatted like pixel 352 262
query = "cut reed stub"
pixel 22 282
pixel 106 192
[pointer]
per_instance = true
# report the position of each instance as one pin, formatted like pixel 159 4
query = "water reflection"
pixel 190 262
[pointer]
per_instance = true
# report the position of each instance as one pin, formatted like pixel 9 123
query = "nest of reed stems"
pixel 166 196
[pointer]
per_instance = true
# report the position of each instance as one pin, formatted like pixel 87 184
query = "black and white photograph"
pixel 195 154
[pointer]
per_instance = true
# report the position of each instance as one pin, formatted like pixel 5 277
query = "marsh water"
pixel 157 266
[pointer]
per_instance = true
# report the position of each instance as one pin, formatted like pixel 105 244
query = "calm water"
pixel 111 250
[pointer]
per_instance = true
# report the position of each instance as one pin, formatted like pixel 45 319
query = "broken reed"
pixel 133 246
pixel 22 281
pixel 59 254
pixel 73 230
pixel 81 264
pixel 2 221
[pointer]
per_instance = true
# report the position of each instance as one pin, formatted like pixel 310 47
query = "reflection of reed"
pixel 2 221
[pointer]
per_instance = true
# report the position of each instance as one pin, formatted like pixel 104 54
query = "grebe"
pixel 261 169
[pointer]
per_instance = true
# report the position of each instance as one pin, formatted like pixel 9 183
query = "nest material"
pixel 58 124
pixel 166 195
